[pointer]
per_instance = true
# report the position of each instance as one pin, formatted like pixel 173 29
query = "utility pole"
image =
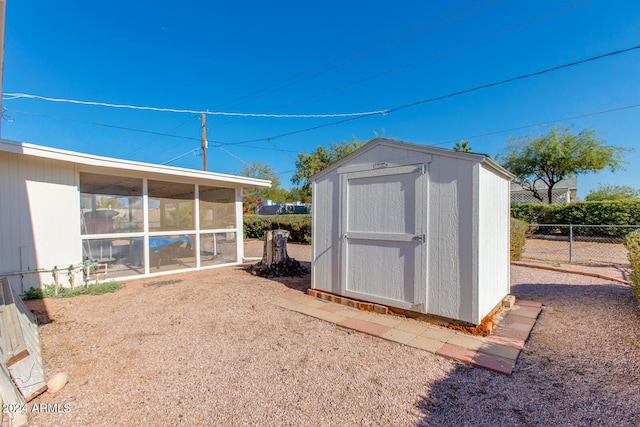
pixel 3 12
pixel 204 142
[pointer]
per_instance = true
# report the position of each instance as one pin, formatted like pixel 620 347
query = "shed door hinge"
pixel 419 238
pixel 420 168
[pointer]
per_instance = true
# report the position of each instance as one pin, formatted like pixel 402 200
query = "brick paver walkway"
pixel 497 352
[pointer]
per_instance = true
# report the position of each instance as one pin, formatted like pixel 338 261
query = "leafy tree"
pixel 277 195
pixel 263 171
pixel 308 165
pixel 297 194
pixel 612 192
pixel 558 155
pixel 462 146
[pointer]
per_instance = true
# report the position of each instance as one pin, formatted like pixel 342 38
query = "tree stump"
pixel 275 260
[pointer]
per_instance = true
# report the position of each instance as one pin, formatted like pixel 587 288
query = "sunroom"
pixel 64 210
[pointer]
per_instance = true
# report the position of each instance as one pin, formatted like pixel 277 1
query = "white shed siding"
pixel 493 251
pixel 449 238
pixel 463 271
pixel 36 197
pixel 326 231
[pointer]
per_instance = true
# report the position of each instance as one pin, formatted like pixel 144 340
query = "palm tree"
pixel 462 146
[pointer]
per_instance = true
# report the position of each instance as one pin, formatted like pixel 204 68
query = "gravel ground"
pixel 210 348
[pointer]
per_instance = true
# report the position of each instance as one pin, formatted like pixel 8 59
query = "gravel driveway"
pixel 210 348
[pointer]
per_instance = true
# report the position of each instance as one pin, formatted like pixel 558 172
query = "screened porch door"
pixel 383 235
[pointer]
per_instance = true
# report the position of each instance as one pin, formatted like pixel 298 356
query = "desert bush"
pixel 632 242
pixel 519 229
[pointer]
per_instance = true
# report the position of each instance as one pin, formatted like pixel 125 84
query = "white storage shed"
pixel 61 209
pixel 414 227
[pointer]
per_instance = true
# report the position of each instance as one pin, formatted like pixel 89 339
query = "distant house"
pixel 563 192
pixel 271 208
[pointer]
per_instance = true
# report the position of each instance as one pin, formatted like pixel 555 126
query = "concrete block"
pixel 509 301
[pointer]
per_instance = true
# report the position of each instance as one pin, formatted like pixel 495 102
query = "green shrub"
pixel 48 291
pixel 606 212
pixel 632 242
pixel 299 226
pixel 532 213
pixel 519 229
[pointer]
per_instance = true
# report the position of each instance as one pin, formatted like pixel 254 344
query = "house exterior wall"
pixel 39 217
pixel 564 191
pixel 493 241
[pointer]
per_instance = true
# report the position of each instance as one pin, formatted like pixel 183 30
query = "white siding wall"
pixel 493 251
pixel 38 199
pixel 450 231
pixel 325 274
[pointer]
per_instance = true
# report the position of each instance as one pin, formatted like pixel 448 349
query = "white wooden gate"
pixel 383 224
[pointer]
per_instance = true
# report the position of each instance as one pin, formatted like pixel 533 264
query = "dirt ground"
pixel 210 348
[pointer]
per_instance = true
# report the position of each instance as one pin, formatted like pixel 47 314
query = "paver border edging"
pixel 497 352
pixel 564 270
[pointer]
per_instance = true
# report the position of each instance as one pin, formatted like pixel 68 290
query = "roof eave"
pixel 121 164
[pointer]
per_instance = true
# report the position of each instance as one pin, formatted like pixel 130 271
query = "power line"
pixel 100 124
pixel 271 138
pixel 389 111
pixel 449 95
pixel 355 115
pixel 232 155
pixel 341 60
pixel 327 67
pixel 180 156
pixel 364 52
pixel 612 110
pixel 12 96
pixel 428 58
pixel 513 79
pixel 154 142
pixel 132 129
pixel 580 116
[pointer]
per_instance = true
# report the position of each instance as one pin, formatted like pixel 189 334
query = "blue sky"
pixel 292 57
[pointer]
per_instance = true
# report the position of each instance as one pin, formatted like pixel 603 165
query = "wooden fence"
pixel 21 370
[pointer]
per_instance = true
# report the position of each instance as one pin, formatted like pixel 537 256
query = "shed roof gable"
pixel 419 149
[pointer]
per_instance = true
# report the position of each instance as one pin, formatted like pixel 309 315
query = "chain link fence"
pixel 578 244
pixel 527 197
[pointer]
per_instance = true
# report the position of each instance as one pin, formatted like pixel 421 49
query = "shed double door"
pixel 383 212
